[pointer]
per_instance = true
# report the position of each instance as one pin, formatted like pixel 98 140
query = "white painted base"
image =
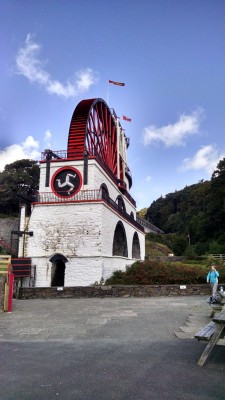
pixel 78 271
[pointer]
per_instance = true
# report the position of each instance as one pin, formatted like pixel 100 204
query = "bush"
pixel 160 273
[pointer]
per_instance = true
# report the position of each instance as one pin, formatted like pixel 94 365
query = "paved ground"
pixel 103 349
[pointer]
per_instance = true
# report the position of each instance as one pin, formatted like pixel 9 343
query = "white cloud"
pixel 25 150
pixel 148 178
pixel 32 68
pixel 205 159
pixel 177 133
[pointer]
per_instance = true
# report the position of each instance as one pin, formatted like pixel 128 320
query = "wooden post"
pixel 6 296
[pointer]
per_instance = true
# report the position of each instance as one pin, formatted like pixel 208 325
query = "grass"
pixel 154 249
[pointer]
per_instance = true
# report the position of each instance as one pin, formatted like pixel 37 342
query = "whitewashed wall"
pixel 82 232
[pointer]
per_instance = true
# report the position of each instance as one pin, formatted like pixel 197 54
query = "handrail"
pixel 86 196
pixel 62 155
pixel 6 246
pixel 146 224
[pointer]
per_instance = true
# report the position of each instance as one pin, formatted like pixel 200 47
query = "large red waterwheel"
pixel 93 130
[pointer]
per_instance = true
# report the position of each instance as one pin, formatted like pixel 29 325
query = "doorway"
pixel 58 270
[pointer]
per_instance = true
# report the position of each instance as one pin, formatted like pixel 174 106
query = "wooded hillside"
pixel 196 212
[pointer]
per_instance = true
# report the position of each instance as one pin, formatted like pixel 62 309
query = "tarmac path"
pixel 110 348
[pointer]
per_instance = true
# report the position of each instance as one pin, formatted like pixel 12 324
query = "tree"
pixel 18 181
pixel 142 212
pixel 197 209
pixel 216 203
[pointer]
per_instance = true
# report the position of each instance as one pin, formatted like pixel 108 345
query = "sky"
pixel 169 53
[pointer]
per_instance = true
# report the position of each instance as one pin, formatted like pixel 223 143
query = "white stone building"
pixel 81 226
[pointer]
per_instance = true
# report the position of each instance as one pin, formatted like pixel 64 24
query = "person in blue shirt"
pixel 212 278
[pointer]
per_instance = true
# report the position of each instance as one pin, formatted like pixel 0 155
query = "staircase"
pixel 6 246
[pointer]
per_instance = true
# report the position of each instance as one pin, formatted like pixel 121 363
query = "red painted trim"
pixel 92 201
pixel 10 298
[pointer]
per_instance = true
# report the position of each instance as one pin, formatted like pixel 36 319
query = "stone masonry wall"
pixel 114 291
pixel 6 226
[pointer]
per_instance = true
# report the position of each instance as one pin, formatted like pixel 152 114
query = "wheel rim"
pixel 93 130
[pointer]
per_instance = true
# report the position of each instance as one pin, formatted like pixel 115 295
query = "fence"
pixel 5 264
pixel 5 270
pixel 218 256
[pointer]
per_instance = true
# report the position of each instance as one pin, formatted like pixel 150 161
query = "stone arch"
pixel 105 191
pixel 58 269
pixel 121 203
pixel 136 251
pixel 120 241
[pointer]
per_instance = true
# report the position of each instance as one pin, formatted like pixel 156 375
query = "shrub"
pixel 161 273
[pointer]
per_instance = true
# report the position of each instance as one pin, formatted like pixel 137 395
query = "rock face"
pixel 7 225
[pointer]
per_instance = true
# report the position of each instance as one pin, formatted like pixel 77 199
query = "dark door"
pixel 58 273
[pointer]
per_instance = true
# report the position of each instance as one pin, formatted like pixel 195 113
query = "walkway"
pixel 106 349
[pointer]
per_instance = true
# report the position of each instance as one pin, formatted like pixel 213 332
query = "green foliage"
pixel 3 251
pixel 197 210
pixel 18 179
pixel 142 212
pixel 190 252
pixel 175 242
pixel 100 283
pixel 161 273
pixel 155 249
pixel 201 248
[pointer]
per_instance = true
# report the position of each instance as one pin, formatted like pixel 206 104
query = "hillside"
pixel 196 212
pixel 155 249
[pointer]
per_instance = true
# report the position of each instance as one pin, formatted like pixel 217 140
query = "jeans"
pixel 214 288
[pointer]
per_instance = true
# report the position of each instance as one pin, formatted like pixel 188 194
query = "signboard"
pixel 21 267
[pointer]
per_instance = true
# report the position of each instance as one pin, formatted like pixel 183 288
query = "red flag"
pixel 126 118
pixel 117 83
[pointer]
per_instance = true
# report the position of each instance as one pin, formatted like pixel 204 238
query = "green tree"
pixel 142 212
pixel 18 181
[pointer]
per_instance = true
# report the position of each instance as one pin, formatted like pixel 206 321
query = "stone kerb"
pixel 114 291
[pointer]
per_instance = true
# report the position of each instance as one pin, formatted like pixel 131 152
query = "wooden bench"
pixel 213 334
pixel 206 332
pixel 217 306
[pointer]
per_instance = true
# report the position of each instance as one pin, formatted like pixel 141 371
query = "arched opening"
pixel 121 203
pixel 136 252
pixel 105 192
pixel 58 270
pixel 132 215
pixel 120 241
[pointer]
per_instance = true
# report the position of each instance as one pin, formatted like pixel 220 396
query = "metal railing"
pixel 50 156
pixel 148 225
pixel 85 196
pixel 82 195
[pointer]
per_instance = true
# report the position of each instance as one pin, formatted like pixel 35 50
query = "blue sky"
pixel 169 53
